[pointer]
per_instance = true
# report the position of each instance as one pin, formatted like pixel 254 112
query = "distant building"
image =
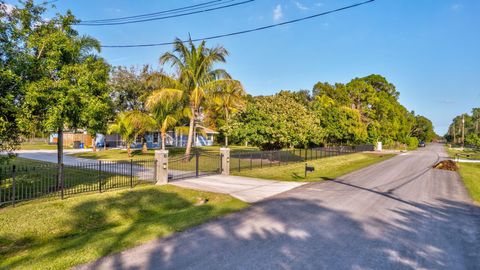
pixel 203 137
pixel 70 137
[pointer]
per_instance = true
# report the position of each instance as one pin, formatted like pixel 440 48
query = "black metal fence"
pixel 37 180
pixel 194 165
pixel 260 159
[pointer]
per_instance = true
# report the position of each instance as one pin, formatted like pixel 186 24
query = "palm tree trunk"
pixel 163 140
pixel 190 133
pixel 144 146
pixel 226 123
pixel 129 150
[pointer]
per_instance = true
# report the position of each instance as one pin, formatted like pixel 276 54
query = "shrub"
pixel 412 143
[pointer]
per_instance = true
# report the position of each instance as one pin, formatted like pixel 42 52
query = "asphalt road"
pixel 398 214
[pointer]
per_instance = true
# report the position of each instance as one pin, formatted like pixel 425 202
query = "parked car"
pixel 421 144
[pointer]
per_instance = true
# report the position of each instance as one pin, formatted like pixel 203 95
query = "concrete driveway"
pixel 246 189
pixel 142 172
pixel 398 214
pixel 51 156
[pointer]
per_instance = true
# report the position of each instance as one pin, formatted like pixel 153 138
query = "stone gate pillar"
pixel 225 160
pixel 161 157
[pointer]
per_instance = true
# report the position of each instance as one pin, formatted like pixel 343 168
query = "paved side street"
pixel 398 214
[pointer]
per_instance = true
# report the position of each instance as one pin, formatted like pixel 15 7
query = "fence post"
pixel 131 173
pixel 251 160
pixel 225 152
pixel 155 169
pixel 197 155
pixel 13 185
pixel 100 176
pixel 161 172
pixel 62 181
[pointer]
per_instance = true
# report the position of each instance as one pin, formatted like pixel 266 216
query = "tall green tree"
pixel 69 77
pixel 226 100
pixel 130 87
pixel 275 122
pixel 130 125
pixel 16 68
pixel 166 108
pixel 195 74
pixel 423 129
pixel 476 120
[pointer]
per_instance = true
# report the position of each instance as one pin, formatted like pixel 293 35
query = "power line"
pixel 245 31
pixel 169 16
pixel 210 3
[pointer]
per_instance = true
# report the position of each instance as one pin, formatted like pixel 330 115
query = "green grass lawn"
pixel 39 146
pixel 472 153
pixel 63 233
pixel 470 173
pixel 326 168
pixel 121 154
pixel 37 178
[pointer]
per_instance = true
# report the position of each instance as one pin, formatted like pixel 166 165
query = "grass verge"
pixel 37 178
pixel 62 234
pixel 326 168
pixel 470 173
pixel 40 146
pixel 121 154
pixel 466 153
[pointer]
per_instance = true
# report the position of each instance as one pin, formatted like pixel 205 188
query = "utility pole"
pixel 463 131
pixel 454 132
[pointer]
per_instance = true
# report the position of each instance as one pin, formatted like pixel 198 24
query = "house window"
pixel 155 137
pixel 138 139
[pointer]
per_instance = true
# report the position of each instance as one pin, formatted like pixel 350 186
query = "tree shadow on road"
pixel 103 225
pixel 295 233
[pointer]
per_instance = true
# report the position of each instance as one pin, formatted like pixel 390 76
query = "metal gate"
pixel 194 165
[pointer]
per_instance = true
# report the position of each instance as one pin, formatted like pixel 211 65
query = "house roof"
pixel 207 130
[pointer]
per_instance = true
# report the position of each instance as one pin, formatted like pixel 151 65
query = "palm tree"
pixel 195 74
pixel 167 108
pixel 131 124
pixel 476 119
pixel 227 99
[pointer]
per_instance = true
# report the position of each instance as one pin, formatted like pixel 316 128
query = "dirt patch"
pixel 447 165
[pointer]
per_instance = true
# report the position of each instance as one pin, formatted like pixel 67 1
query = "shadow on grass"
pixel 104 225
pixel 294 233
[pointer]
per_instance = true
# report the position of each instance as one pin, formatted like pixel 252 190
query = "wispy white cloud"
pixel 301 6
pixel 277 13
pixel 457 7
pixel 7 7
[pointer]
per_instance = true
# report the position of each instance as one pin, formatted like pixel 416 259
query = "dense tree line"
pixel 465 128
pixel 365 110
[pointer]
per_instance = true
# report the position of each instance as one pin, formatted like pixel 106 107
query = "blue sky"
pixel 430 49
